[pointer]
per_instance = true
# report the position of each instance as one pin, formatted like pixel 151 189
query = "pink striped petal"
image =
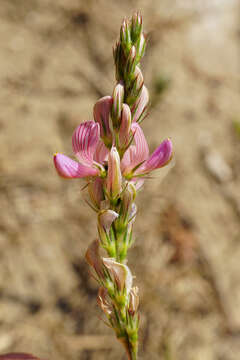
pixel 160 157
pixel 84 141
pixel 142 150
pixel 101 153
pixel 127 160
pixel 71 169
pixel 101 113
pixel 137 153
pixel 141 104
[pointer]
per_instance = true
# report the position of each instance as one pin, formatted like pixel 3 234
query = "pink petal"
pixel 101 153
pixel 142 150
pixel 160 157
pixel 70 169
pixel 135 154
pixel 101 113
pixel 84 141
pixel 141 104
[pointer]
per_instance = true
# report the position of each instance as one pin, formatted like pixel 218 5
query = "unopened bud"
pixel 125 126
pixel 95 190
pixel 114 176
pixel 125 37
pixel 140 46
pixel 136 26
pixel 131 61
pixel 140 106
pixel 118 97
pixel 101 113
pixel 138 81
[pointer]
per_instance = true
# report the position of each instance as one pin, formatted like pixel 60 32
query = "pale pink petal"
pixel 84 141
pixel 160 157
pixel 70 169
pixel 141 104
pixel 137 153
pixel 101 113
pixel 101 153
pixel 142 151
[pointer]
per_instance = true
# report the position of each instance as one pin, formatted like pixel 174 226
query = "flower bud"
pixel 114 176
pixel 131 61
pixel 138 80
pixel 140 106
pixel 101 113
pixel 95 190
pixel 125 37
pixel 140 46
pixel 136 26
pixel 125 126
pixel 133 301
pixel 118 97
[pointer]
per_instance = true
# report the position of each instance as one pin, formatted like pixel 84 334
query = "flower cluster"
pixel 113 158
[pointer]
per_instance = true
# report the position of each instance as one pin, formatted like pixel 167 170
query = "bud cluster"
pixel 113 157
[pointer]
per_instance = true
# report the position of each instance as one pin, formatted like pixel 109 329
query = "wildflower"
pixel 136 160
pixel 90 152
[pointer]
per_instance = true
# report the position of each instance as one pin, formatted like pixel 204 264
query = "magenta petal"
pixel 159 158
pixel 71 169
pixel 84 141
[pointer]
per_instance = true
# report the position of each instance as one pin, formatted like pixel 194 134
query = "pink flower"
pixel 89 150
pixel 136 160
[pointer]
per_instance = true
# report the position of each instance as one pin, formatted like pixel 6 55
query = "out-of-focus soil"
pixel 55 62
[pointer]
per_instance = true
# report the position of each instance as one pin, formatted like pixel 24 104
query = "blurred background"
pixel 55 62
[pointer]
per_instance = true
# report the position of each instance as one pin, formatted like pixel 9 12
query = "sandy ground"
pixel 55 62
